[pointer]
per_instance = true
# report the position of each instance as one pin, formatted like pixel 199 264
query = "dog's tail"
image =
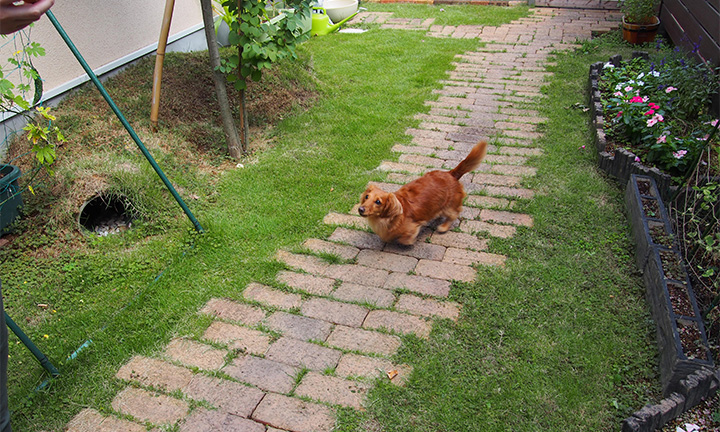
pixel 472 160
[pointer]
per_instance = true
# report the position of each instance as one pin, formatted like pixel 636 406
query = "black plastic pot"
pixel 10 196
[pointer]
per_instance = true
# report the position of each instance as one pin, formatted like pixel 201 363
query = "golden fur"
pixel 399 216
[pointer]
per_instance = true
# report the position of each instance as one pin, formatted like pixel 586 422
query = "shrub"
pixel 639 11
pixel 660 109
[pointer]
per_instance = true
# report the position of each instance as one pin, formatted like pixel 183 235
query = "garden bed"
pixel 687 370
pixel 619 163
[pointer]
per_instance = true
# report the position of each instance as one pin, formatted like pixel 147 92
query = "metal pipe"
pixel 123 120
pixel 42 358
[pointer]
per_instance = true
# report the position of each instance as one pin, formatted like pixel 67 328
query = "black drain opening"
pixel 106 214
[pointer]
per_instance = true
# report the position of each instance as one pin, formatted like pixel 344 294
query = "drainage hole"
pixel 105 214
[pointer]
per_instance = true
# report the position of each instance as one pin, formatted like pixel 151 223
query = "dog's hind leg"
pixel 450 215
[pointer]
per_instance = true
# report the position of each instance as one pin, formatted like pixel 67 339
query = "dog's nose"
pixel 361 210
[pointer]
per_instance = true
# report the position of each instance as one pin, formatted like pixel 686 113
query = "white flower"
pixel 655 74
pixel 642 74
pixel 608 65
pixel 679 155
pixel 641 83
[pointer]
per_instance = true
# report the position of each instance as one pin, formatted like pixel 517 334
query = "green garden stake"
pixel 42 358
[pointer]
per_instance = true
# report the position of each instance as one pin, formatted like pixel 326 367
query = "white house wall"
pixel 108 34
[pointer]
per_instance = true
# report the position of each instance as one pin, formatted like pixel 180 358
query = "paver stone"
pixel 293 414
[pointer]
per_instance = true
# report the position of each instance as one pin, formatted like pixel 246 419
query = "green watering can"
pixel 321 23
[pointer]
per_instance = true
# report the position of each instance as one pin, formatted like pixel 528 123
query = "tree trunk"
pixel 244 123
pixel 244 126
pixel 235 146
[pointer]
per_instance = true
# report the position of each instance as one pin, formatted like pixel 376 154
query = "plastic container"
pixel 10 197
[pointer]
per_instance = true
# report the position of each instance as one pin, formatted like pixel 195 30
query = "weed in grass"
pixel 300 375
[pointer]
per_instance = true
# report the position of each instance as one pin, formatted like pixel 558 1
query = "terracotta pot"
pixel 640 33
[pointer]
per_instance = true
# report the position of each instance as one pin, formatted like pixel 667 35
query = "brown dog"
pixel 400 215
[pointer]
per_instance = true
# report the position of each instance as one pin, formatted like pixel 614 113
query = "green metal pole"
pixel 44 361
pixel 122 119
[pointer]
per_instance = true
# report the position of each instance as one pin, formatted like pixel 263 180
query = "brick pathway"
pixel 286 355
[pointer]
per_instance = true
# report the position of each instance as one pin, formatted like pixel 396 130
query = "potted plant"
pixel 640 22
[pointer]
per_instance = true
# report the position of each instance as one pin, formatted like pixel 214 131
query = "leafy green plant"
pixel 639 11
pixel 44 138
pixel 13 100
pixel 660 109
pixel 261 41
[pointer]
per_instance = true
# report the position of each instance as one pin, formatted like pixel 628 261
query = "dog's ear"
pixel 393 207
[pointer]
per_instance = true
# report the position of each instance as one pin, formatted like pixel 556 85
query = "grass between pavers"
pixel 560 339
pixel 544 331
pixel 453 15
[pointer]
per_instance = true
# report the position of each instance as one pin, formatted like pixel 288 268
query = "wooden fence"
pixel 694 25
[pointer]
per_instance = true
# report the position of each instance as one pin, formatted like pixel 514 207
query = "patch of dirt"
pixel 190 138
pixel 672 265
pixel 680 300
pixel 691 340
pixel 659 235
pixel 651 208
pixel 188 99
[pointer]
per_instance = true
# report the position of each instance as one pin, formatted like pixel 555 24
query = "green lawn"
pixel 559 339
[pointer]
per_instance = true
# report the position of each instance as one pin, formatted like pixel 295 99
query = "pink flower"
pixel 679 154
pixel 636 99
pixel 654 105
pixel 628 88
pixel 619 114
pixel 669 89
pixel 654 120
pixel 619 94
pixel 650 112
pixel 705 138
pixel 637 159
pixel 713 123
pixel 662 139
